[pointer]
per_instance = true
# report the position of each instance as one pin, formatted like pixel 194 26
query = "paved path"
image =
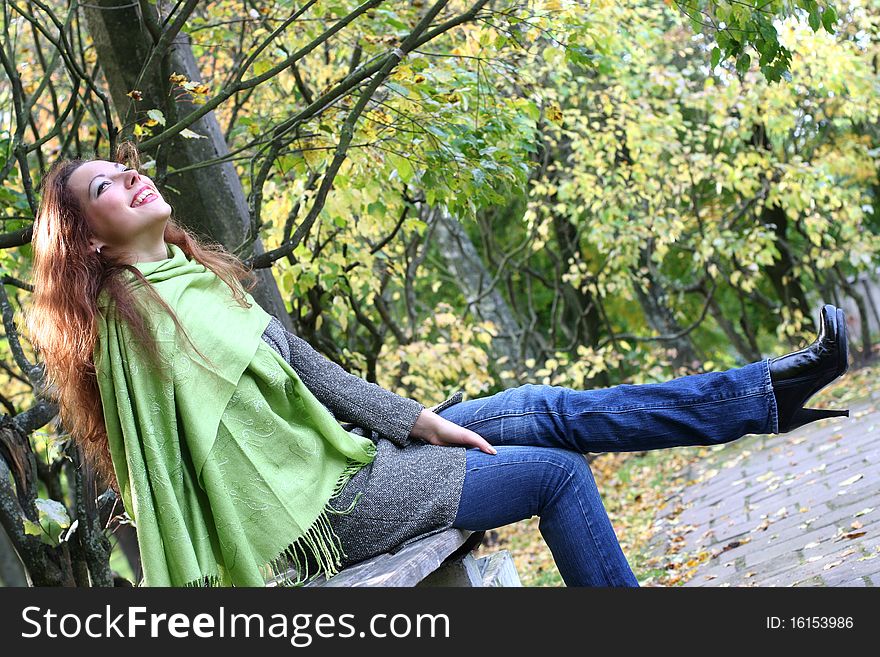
pixel 797 509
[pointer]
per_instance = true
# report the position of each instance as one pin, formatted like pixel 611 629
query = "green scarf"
pixel 226 469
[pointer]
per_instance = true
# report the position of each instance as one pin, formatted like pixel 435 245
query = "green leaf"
pixel 829 16
pixel 403 167
pixel 716 56
pixel 306 282
pixel 767 30
pixel 189 134
pixel 394 22
pixel 437 131
pixel 261 66
pixel 768 53
pixel 814 20
pixel 53 520
pixel 31 528
pixel 53 510
pixel 289 161
pixel 531 109
pixel 403 91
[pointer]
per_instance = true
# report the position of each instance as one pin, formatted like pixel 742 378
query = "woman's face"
pixel 120 216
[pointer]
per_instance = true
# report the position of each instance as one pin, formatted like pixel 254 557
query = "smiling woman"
pixel 90 236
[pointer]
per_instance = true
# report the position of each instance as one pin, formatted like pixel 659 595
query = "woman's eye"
pixel 101 185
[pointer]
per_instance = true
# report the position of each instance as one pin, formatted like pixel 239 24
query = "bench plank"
pixel 407 567
pixel 463 571
pixel 498 569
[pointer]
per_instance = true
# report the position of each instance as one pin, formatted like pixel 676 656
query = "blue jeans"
pixel 541 433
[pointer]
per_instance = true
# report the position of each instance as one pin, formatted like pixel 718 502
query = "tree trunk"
pixel 11 570
pixel 586 327
pixel 744 345
pixel 660 319
pixel 208 200
pixel 787 286
pixel 467 267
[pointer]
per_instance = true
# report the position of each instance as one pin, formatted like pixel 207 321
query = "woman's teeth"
pixel 143 198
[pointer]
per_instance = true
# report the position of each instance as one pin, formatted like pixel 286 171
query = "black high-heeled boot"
pixel 799 375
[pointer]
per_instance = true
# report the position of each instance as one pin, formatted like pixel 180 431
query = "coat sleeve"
pixel 350 398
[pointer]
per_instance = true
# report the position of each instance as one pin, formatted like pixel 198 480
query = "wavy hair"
pixel 62 321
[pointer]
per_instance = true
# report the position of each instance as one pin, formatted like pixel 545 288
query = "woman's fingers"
pixel 477 440
pixel 452 435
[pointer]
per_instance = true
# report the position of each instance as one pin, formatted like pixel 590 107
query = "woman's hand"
pixel 436 430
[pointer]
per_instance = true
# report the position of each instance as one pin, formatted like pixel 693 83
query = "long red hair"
pixel 68 276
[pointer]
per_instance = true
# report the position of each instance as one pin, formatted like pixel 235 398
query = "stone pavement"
pixel 796 509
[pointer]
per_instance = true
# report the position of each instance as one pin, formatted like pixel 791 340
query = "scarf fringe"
pixel 319 542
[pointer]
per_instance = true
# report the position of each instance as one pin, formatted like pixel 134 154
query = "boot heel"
pixel 804 415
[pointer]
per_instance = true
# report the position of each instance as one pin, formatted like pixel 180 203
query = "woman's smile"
pixel 144 197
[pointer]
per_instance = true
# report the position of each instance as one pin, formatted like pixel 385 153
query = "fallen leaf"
pixel 851 480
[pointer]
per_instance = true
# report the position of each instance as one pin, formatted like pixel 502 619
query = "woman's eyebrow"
pixel 99 175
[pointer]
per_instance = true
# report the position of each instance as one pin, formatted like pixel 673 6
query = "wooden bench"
pixel 442 559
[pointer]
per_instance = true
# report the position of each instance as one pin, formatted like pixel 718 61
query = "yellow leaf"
pixel 554 113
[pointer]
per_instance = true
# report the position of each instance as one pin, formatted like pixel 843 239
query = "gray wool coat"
pixel 412 488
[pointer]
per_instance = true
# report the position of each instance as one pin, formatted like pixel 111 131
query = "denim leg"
pixel 698 409
pixel 557 485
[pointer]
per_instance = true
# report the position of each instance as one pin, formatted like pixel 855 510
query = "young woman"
pixel 218 471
